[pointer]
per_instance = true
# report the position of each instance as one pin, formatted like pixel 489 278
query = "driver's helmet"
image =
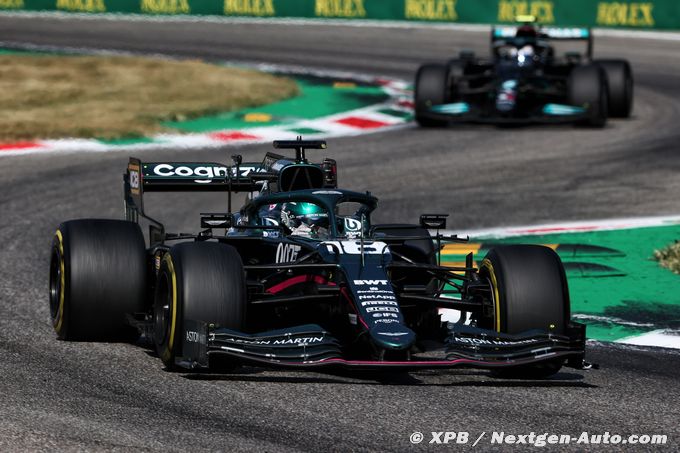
pixel 526 55
pixel 298 213
pixel 526 40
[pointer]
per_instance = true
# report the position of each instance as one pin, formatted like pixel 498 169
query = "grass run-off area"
pixel 49 96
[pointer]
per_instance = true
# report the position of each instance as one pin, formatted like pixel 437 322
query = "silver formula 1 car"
pixel 525 81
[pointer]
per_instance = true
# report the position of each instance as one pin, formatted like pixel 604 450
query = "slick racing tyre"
pixel 529 291
pixel 455 72
pixel 199 281
pixel 588 88
pixel 420 249
pixel 426 322
pixel 620 82
pixel 431 89
pixel 97 277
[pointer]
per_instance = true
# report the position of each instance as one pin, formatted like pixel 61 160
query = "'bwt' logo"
pixel 370 282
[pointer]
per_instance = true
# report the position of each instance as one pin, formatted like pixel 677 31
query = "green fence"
pixel 655 14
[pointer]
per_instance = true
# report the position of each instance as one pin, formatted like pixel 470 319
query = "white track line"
pixel 570 227
pixel 659 338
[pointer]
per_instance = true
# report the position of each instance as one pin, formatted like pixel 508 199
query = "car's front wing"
pixel 462 112
pixel 310 346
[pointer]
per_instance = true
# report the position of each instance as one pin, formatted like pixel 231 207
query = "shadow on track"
pixel 571 380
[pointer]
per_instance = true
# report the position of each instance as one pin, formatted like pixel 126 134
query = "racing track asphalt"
pixel 80 396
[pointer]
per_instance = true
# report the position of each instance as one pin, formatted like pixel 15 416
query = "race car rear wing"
pixel 143 177
pixel 504 32
pixel 274 174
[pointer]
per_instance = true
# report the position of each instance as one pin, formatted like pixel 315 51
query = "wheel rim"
pixel 484 321
pixel 162 311
pixel 495 321
pixel 56 274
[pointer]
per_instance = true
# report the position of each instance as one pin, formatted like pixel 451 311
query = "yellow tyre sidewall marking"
pixel 496 296
pixel 167 354
pixel 59 322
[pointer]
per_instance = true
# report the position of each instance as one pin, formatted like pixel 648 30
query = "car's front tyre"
pixel 199 281
pixel 529 291
pixel 431 88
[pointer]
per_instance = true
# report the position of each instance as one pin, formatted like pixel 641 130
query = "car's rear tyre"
pixel 97 276
pixel 529 291
pixel 587 87
pixel 431 88
pixel 620 83
pixel 466 56
pixel 199 281
pixel 421 250
pixel 455 71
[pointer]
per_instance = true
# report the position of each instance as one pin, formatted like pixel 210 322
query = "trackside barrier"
pixel 651 14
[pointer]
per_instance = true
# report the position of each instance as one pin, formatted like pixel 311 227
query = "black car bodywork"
pixel 356 295
pixel 525 81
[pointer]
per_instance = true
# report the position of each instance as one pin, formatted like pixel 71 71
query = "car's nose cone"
pixel 393 337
